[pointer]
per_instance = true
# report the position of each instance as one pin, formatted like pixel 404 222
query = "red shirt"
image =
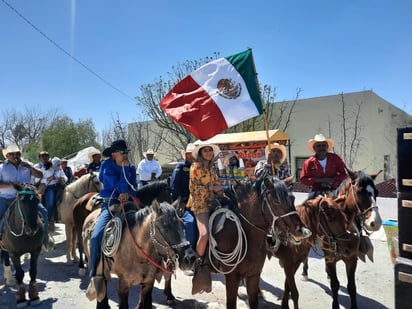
pixel 311 170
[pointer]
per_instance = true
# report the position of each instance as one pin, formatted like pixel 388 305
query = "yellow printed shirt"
pixel 200 181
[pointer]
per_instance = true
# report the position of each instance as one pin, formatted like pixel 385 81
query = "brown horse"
pixel 328 222
pixel 159 190
pixel 357 195
pixel 263 206
pixel 153 236
pixel 87 183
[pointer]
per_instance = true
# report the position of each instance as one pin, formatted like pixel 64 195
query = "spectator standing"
pixel 149 168
pixel 67 171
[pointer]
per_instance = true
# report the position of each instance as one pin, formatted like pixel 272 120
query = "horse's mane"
pixel 147 193
pixel 80 182
pixel 137 217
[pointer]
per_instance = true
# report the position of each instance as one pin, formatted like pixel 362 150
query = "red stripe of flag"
pixel 192 107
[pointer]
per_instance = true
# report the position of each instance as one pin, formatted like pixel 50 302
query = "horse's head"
pixel 25 219
pixel 93 182
pixel 166 233
pixel 159 190
pixel 364 195
pixel 278 206
pixel 333 227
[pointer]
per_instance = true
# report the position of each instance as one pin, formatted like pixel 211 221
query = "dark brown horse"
pixel 153 236
pixel 263 206
pixel 357 195
pixel 23 233
pixel 159 190
pixel 327 222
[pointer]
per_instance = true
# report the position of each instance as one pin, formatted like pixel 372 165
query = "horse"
pixel 153 237
pixel 327 222
pixel 23 233
pixel 87 183
pixel 357 196
pixel 263 207
pixel 159 190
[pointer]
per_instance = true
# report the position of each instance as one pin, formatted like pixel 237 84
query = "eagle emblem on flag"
pixel 229 89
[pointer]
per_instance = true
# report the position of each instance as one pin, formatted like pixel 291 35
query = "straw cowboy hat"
pixel 11 148
pixel 282 149
pixel 196 149
pixel 320 138
pixel 189 149
pixel 149 152
pixel 115 146
pixel 92 153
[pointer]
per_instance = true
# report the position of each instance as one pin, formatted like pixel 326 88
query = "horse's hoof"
pixel 69 262
pixel 35 302
pixel 21 304
pixel 171 302
pixel 11 282
pixel 305 278
pixel 82 272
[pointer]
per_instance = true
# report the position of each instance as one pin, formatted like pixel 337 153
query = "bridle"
pixel 16 203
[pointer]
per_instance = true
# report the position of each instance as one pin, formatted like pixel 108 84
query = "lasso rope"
pixel 230 259
pixel 112 236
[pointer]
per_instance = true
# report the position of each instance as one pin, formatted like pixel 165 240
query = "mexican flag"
pixel 218 95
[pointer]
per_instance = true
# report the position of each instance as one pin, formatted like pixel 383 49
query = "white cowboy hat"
pixel 189 149
pixel 196 149
pixel 320 138
pixel 92 153
pixel 149 151
pixel 56 161
pixel 276 146
pixel 11 148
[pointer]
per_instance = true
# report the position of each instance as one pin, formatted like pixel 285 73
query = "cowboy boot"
pixel 20 295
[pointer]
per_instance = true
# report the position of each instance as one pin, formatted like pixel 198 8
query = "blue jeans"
pixel 97 237
pixel 50 200
pixel 5 203
pixel 190 228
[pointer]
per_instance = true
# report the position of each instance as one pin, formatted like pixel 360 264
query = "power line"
pixel 66 52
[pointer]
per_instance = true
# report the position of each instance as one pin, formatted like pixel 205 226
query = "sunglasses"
pixel 14 153
pixel 122 152
pixel 321 145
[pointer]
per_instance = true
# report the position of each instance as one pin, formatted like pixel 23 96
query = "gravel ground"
pixel 60 286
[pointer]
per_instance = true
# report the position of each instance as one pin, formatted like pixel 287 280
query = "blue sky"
pixel 323 47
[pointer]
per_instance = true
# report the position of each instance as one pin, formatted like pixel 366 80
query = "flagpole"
pixel 265 122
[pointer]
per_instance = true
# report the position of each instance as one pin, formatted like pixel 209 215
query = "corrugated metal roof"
pixel 253 136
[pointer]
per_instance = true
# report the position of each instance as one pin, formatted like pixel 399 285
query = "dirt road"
pixel 60 286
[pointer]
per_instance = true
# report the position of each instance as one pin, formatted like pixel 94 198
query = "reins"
pixel 21 216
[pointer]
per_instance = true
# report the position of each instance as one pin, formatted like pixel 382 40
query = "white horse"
pixel 85 184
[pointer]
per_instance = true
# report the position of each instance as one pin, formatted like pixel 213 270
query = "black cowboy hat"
pixel 116 145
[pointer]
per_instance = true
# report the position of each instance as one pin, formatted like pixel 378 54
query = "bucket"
pixel 391 230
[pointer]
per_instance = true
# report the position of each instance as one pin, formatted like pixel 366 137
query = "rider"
pixel 204 186
pixel 180 188
pixel 118 176
pixel 324 171
pixel 15 170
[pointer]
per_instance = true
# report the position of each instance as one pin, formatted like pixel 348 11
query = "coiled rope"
pixel 112 236
pixel 230 259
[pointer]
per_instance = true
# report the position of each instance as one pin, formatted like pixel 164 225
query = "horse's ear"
pixel 373 176
pixel 350 173
pixel 340 198
pixel 155 205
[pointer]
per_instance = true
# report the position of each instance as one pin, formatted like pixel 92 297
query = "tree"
pixel 66 137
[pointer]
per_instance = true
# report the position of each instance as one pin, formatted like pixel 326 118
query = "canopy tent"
pixel 245 137
pixel 82 157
